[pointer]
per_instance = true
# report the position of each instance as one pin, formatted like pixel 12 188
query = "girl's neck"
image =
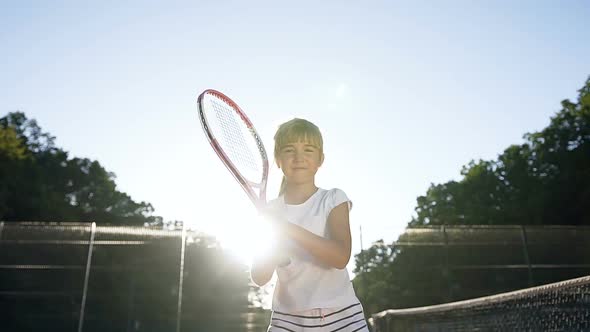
pixel 298 194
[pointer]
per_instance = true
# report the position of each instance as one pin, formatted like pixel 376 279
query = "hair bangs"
pixel 298 130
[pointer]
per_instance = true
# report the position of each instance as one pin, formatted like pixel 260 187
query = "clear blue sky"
pixel 404 92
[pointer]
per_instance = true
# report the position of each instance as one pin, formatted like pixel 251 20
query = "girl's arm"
pixel 261 271
pixel 263 268
pixel 333 252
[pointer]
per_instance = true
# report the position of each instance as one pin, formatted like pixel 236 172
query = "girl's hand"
pixel 275 219
pixel 278 224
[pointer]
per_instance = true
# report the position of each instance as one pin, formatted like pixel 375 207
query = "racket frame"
pixel 259 200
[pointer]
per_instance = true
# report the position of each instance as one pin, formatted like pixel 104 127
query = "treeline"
pixel 41 182
pixel 544 181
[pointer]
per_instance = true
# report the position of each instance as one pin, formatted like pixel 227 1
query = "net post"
pixel 525 250
pixel 86 277
pixel 1 228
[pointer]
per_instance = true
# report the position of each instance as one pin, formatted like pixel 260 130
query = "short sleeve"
pixel 337 197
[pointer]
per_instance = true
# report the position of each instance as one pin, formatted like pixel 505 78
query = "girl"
pixel 313 291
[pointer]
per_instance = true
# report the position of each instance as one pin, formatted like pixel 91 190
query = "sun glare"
pixel 246 239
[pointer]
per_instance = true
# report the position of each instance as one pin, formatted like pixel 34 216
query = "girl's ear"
pixel 322 159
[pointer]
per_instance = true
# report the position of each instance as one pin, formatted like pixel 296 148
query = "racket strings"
pixel 236 139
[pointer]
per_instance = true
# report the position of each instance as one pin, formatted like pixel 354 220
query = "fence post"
pixel 86 276
pixel 525 250
pixel 447 269
pixel 363 261
pixel 180 282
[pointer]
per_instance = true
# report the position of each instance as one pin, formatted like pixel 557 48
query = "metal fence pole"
pixel 363 262
pixel 447 269
pixel 86 276
pixel 525 250
pixel 131 301
pixel 181 279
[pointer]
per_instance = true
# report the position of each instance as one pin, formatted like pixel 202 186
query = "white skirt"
pixel 344 319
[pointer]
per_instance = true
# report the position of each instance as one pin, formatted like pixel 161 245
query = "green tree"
pixel 375 283
pixel 41 182
pixel 11 147
pixel 545 180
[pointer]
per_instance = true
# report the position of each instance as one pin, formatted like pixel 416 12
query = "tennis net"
pixel 561 306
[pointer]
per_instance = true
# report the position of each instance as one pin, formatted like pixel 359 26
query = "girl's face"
pixel 300 162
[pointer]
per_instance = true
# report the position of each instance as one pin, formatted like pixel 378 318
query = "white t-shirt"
pixel 306 283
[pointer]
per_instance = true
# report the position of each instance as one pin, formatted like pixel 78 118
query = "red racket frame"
pixel 259 200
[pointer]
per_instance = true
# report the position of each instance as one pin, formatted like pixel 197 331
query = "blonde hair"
pixel 296 130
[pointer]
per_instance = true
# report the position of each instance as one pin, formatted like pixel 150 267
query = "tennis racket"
pixel 235 140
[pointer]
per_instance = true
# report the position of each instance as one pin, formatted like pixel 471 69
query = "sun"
pixel 245 235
